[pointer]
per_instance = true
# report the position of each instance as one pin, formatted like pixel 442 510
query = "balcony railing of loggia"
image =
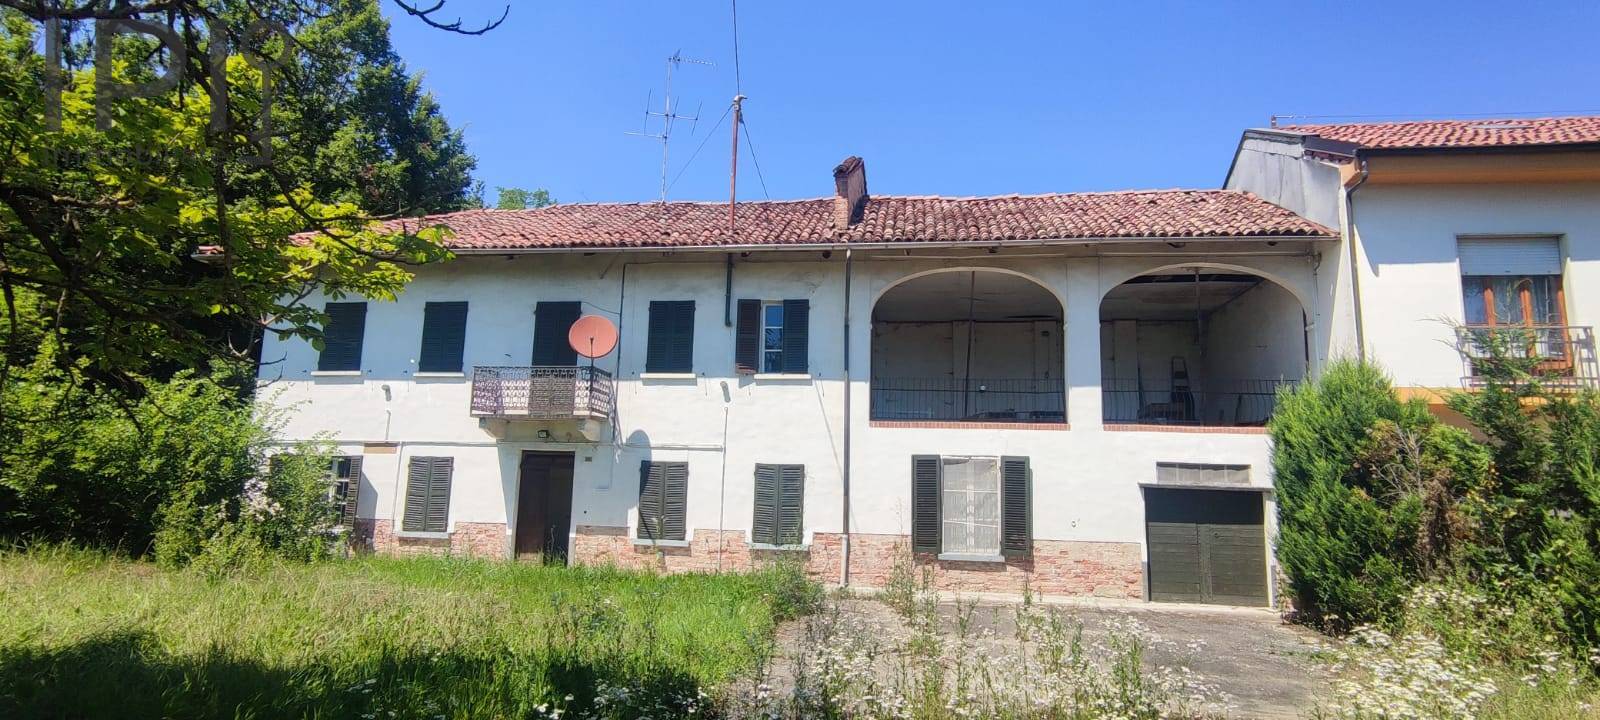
pixel 1038 400
pixel 1212 403
pixel 541 392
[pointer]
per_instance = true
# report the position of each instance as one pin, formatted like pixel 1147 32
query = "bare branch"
pixel 426 16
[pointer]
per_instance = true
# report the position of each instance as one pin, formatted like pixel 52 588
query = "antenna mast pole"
pixel 733 170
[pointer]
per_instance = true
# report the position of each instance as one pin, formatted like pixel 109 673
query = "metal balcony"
pixel 541 393
pixel 1556 356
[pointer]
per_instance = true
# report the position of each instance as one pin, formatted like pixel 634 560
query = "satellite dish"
pixel 592 336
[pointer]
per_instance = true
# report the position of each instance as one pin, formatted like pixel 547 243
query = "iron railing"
pixel 969 399
pixel 1219 403
pixel 1558 356
pixel 543 392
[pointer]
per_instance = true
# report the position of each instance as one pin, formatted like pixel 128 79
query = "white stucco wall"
pixel 1410 279
pixel 1086 478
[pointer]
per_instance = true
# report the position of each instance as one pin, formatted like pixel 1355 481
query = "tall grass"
pixel 85 635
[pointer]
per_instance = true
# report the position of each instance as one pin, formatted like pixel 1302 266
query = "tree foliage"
pixel 514 198
pixel 104 209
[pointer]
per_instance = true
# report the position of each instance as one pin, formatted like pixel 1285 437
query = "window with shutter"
pixel 342 336
pixel 346 489
pixel 663 498
pixel 444 337
pixel 428 494
pixel 773 337
pixel 552 321
pixel 670 347
pixel 779 505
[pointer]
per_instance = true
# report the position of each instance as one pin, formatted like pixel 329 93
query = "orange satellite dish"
pixel 592 336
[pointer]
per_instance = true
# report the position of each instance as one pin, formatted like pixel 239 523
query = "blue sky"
pixel 968 98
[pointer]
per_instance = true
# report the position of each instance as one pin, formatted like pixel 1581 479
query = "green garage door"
pixel 1206 546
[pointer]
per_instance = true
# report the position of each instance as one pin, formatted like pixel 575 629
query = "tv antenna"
pixel 669 114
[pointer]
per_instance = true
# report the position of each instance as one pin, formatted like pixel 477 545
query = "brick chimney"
pixel 849 192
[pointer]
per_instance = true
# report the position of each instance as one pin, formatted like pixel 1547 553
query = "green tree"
pixel 514 198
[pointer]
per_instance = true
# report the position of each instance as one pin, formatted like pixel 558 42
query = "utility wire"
pixel 753 159
pixel 696 153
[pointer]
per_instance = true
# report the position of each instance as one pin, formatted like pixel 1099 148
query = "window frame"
pixel 357 336
pixel 666 323
pixel 661 525
pixel 997 474
pixel 459 352
pixel 433 464
pixel 779 472
pixel 772 357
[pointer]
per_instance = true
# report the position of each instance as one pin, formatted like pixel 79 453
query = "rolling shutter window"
pixel 663 500
pixel 671 344
pixel 341 337
pixel 444 336
pixel 747 337
pixel 796 336
pixel 551 323
pixel 779 504
pixel 1016 498
pixel 925 477
pixel 347 488
pixel 428 494
pixel 1509 256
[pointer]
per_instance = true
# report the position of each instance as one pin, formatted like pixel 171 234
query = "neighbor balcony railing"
pixel 1225 403
pixel 1556 355
pixel 969 399
pixel 541 393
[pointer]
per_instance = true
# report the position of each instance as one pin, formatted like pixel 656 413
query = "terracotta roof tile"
pixel 1461 133
pixel 1137 214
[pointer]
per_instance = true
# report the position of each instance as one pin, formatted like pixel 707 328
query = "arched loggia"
pixel 968 345
pixel 1199 346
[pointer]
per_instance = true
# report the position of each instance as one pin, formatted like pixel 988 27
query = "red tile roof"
pixel 1461 133
pixel 1139 214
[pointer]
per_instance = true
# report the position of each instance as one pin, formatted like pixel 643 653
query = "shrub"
pixel 1340 539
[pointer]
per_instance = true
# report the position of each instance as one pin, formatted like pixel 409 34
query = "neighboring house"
pixel 1462 231
pixel 1067 391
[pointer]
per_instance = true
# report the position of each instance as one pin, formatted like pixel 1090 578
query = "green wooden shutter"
pixel 764 523
pixel 417 479
pixel 352 493
pixel 791 505
pixel 675 504
pixel 1016 507
pixel 342 336
pixel 925 477
pixel 650 500
pixel 439 494
pixel 551 323
pixel 670 348
pixel 747 338
pixel 796 336
pixel 444 337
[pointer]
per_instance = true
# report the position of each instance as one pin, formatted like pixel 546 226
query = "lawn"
pixel 85 635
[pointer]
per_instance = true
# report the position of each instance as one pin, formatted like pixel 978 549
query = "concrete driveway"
pixel 1260 666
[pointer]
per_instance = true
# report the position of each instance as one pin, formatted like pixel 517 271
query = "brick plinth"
pixel 487 540
pixel 1055 568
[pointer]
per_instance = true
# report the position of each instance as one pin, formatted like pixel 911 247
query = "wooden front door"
pixel 544 506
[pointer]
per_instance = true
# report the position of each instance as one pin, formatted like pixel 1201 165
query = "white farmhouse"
pixel 1067 391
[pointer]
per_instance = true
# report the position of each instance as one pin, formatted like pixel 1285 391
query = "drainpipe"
pixel 727 294
pixel 1355 268
pixel 844 546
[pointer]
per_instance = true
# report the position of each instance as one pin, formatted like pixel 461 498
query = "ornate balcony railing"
pixel 969 399
pixel 1557 356
pixel 541 393
pixel 1220 403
